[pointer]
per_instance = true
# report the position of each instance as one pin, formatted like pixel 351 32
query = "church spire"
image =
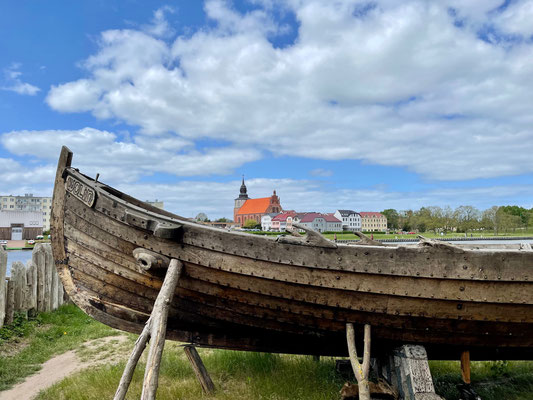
pixel 244 191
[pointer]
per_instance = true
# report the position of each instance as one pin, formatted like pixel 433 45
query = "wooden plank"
pixel 155 329
pixel 433 323
pixel 465 366
pixel 31 279
pixel 3 285
pixel 404 286
pixel 10 302
pixel 39 260
pixel 54 302
pixel 423 260
pixel 60 292
pixel 400 304
pixel 48 277
pixel 199 369
pixel 18 278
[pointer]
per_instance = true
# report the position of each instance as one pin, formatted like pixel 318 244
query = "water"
pixel 17 255
pixel 481 241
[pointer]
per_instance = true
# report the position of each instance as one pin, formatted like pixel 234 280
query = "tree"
pixel 393 218
pixel 489 219
pixel 467 218
pixel 252 224
pixel 222 220
pixel 202 217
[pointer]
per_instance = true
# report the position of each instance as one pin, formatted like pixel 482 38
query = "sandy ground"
pixel 16 243
pixel 61 366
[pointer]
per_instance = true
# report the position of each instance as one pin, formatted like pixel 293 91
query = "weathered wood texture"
pixel 413 374
pixel 3 285
pixel 254 293
pixel 199 369
pixel 31 288
pixel 465 366
pixel 361 370
pixel 155 331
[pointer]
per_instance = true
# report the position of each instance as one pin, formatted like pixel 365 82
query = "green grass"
pixel 31 343
pixel 492 380
pixel 380 235
pixel 242 375
pixel 237 375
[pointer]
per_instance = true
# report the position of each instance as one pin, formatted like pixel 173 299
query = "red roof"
pixel 255 206
pixel 310 217
pixel 371 214
pixel 331 218
pixel 284 216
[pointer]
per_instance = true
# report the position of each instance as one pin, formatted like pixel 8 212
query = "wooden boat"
pixel 290 294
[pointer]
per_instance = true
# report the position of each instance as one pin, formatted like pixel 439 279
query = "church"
pixel 246 208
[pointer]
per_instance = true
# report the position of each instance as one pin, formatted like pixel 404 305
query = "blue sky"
pixel 346 104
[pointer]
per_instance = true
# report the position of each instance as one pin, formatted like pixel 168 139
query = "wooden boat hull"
pixel 248 292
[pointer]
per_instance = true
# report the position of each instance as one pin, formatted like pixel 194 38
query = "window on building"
pixel 11 206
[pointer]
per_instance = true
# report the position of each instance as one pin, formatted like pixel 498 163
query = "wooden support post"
pixel 360 370
pixel 38 258
pixel 465 366
pixel 10 302
pixel 155 329
pixel 199 369
pixel 3 284
pixel 18 277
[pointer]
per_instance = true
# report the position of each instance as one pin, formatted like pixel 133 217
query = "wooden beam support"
pixel 199 369
pixel 465 366
pixel 360 370
pixel 154 330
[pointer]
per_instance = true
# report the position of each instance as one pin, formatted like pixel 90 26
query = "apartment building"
pixel 373 221
pixel 29 202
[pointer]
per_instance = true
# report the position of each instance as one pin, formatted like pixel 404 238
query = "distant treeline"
pixel 461 219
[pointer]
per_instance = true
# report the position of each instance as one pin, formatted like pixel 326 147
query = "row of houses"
pixel 268 212
pixel 340 220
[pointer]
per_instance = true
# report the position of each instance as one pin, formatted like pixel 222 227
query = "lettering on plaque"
pixel 81 191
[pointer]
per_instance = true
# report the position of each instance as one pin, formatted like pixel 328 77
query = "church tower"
pixel 239 201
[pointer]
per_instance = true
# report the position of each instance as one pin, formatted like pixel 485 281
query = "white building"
pixel 266 221
pixel 28 202
pixel 320 222
pixel 351 220
pixel 20 225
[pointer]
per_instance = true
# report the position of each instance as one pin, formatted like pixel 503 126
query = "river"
pixel 17 255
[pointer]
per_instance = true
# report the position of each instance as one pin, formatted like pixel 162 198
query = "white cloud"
pixel 399 85
pixel 188 198
pixel 160 26
pixel 15 84
pixel 321 172
pixel 101 152
pixel 517 18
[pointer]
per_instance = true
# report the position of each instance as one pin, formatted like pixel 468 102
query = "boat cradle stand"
pixel 155 331
pixel 404 374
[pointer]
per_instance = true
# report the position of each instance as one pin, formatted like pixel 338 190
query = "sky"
pixel 334 104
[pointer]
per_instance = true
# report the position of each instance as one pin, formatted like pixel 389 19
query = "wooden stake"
pixel 155 329
pixel 360 370
pixel 199 369
pixel 10 301
pixel 465 366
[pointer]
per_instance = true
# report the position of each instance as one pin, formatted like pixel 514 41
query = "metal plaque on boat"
pixel 81 191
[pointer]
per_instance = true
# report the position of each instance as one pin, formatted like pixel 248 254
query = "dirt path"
pixel 66 364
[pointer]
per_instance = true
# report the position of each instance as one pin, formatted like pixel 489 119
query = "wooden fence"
pixel 32 288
